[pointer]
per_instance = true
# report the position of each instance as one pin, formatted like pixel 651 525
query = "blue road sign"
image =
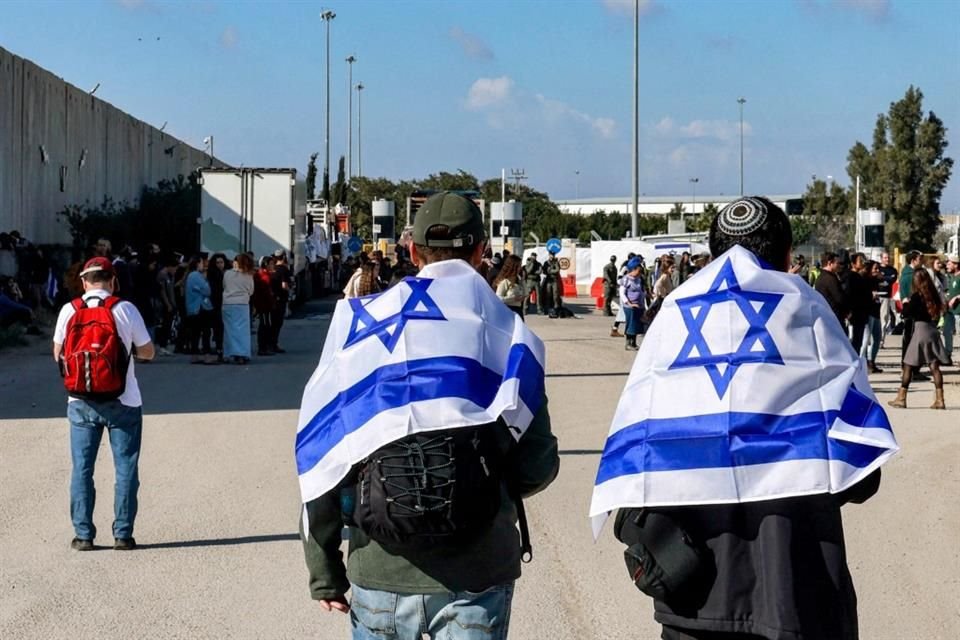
pixel 354 244
pixel 554 245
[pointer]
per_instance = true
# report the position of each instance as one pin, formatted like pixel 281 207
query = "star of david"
pixel 419 306
pixel 755 306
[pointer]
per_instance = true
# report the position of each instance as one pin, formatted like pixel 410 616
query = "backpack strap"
pixel 110 302
pixel 78 303
pixel 526 549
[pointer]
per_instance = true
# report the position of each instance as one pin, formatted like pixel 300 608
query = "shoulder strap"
pixel 110 302
pixel 78 303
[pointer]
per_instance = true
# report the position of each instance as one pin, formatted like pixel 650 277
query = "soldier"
pixel 531 280
pixel 552 285
pixel 609 285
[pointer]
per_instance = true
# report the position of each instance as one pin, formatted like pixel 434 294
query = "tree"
pixel 340 188
pixel 677 210
pixel 444 181
pixel 829 213
pixel 905 171
pixel 702 221
pixel 311 179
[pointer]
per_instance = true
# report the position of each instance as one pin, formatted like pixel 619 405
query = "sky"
pixel 540 85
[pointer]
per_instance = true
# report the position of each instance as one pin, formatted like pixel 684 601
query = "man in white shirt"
pixel 122 417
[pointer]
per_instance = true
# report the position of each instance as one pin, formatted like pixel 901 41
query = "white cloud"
pixel 489 92
pixel 557 110
pixel 229 39
pixel 625 7
pixel 723 130
pixel 472 45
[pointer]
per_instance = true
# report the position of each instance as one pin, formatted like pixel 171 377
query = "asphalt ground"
pixel 219 506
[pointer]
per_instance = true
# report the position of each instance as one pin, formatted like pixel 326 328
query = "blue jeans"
pixel 949 328
pixel 464 615
pixel 871 347
pixel 124 425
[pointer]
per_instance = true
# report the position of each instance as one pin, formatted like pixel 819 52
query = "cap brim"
pixel 91 270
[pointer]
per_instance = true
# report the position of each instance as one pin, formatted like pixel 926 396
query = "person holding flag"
pixel 422 429
pixel 728 496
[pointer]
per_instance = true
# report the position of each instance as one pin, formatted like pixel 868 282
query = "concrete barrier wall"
pixel 93 150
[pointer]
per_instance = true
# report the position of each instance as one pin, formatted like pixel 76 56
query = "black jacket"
pixel 828 285
pixel 776 569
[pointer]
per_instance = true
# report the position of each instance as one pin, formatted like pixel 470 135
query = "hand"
pixel 335 604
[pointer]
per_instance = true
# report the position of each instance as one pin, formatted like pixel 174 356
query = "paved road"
pixel 219 504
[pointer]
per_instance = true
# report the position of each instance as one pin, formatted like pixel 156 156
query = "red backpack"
pixel 94 360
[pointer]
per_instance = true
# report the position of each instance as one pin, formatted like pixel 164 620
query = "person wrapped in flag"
pixel 422 429
pixel 728 494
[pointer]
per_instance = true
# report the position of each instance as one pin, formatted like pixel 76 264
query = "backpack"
pixel 94 360
pixel 437 488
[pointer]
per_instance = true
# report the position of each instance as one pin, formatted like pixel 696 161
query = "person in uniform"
pixel 609 285
pixel 552 291
pixel 531 280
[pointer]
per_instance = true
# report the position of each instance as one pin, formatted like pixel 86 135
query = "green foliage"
pixel 166 215
pixel 905 171
pixel 443 181
pixel 340 187
pixel 828 216
pixel 677 210
pixel 802 228
pixel 701 222
pixel 311 179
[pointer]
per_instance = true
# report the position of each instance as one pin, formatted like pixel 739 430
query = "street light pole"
pixel 693 211
pixel 740 101
pixel 350 60
pixel 578 183
pixel 327 16
pixel 636 107
pixel 359 140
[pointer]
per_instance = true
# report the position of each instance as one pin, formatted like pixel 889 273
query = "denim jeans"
pixel 949 328
pixel 464 615
pixel 870 348
pixel 124 426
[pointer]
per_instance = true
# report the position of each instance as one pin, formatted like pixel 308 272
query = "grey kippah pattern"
pixel 742 217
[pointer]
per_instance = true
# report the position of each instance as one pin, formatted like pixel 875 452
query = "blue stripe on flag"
pixel 728 440
pixel 403 383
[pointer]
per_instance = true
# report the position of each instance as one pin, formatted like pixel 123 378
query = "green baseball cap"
pixel 460 215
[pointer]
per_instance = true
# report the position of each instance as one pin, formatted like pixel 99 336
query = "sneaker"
pixel 79 544
pixel 614 333
pixel 124 544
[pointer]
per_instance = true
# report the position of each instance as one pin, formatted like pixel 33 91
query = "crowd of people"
pixel 204 306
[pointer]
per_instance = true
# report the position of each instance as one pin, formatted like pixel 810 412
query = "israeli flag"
pixel 745 388
pixel 433 352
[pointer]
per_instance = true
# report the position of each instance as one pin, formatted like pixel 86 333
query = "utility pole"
pixel 327 16
pixel 517 175
pixel 693 211
pixel 740 101
pixel 360 88
pixel 636 118
pixel 350 60
pixel 578 183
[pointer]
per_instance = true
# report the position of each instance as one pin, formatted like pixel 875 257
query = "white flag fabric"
pixel 433 352
pixel 745 388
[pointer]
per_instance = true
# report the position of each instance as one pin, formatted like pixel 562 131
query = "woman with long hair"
pixel 363 282
pixel 870 345
pixel 507 284
pixel 215 271
pixel 237 289
pixel 925 348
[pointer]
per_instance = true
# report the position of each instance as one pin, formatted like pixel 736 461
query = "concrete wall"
pixel 119 154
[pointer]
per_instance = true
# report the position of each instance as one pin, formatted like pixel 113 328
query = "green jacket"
pixel 906 283
pixel 953 289
pixel 490 560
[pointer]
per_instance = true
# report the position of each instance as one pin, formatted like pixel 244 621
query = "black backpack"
pixel 438 488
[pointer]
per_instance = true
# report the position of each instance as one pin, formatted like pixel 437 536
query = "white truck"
pixel 251 209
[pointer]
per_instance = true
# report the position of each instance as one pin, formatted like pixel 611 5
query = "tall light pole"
pixel 693 211
pixel 327 16
pixel 636 124
pixel 360 88
pixel 740 101
pixel 578 183
pixel 350 60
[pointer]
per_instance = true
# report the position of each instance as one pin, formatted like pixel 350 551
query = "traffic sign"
pixel 354 244
pixel 554 245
